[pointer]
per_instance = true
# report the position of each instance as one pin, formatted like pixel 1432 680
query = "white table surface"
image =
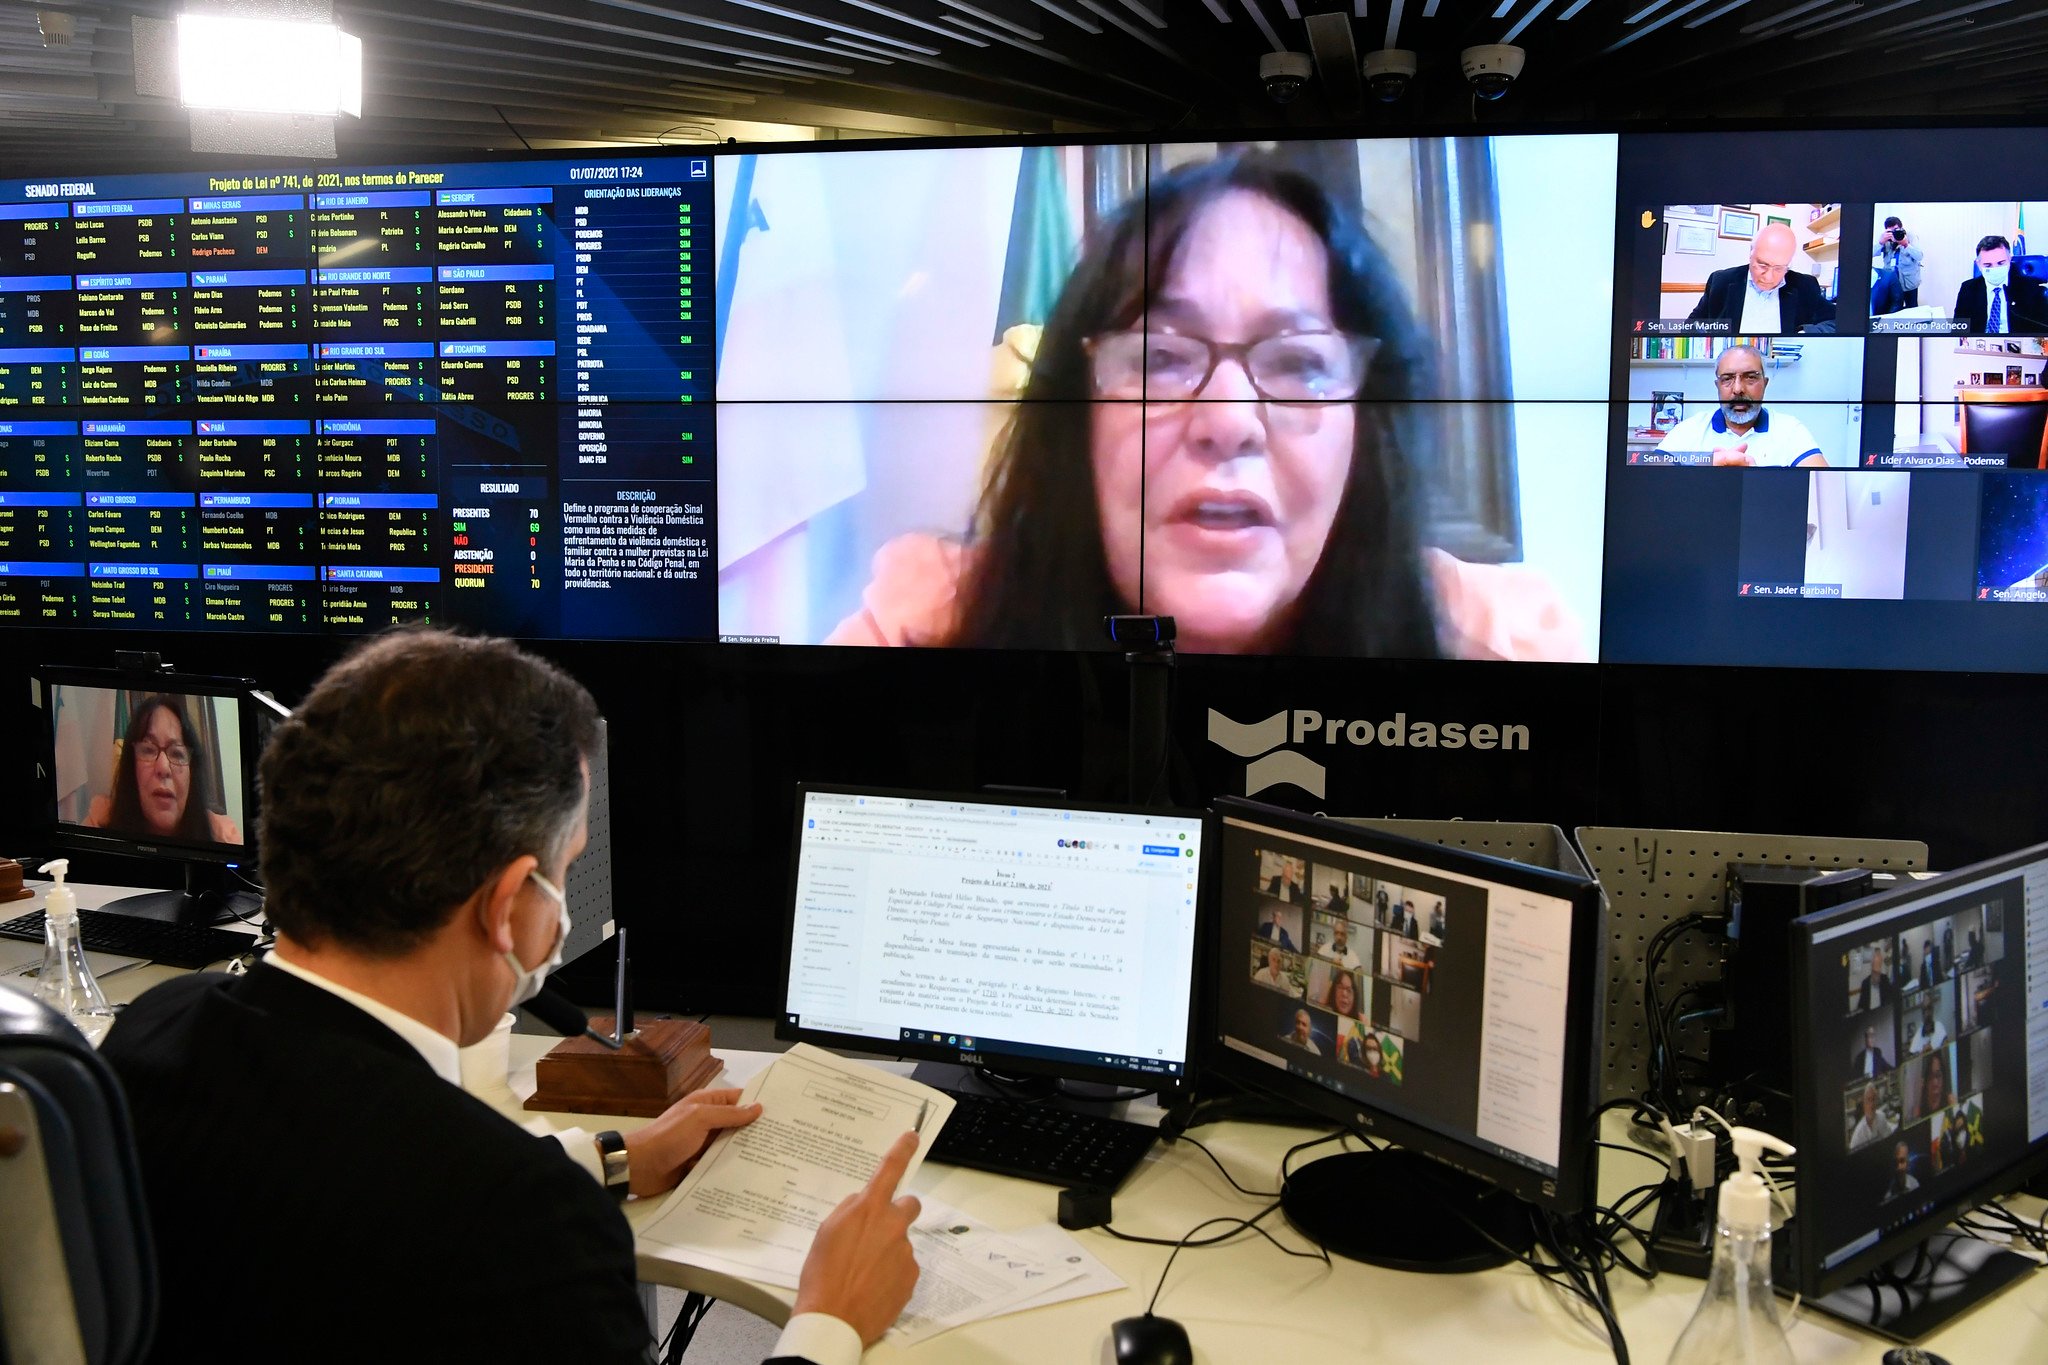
pixel 1245 1302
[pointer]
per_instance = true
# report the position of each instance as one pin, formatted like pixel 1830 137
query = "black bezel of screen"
pixel 1569 1190
pixel 1992 1180
pixel 1007 1063
pixel 78 838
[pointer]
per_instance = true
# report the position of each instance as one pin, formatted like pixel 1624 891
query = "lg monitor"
pixel 1438 999
pixel 154 765
pixel 1922 1085
pixel 1032 938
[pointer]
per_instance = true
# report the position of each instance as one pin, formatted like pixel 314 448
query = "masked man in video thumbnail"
pixel 1740 431
pixel 1766 295
pixel 1997 302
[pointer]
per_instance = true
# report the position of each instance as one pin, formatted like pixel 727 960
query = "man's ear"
pixel 498 897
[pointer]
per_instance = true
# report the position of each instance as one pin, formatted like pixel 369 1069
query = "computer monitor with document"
pixel 1439 999
pixel 1024 937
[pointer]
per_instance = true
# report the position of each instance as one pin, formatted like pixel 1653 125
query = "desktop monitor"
pixel 1035 938
pixel 1923 1084
pixel 154 765
pixel 1442 1000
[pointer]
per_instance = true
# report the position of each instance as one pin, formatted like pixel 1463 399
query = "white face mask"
pixel 527 981
pixel 1994 276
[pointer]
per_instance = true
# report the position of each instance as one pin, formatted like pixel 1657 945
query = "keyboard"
pixel 1040 1142
pixel 174 945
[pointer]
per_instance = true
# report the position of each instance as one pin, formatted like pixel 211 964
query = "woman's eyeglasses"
pixel 1171 367
pixel 148 752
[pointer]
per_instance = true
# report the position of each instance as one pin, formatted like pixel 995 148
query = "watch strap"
pixel 612 1155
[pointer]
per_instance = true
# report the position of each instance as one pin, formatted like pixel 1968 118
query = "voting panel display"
pixel 336 400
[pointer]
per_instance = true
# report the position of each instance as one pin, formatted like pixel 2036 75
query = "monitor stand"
pixel 1919 1290
pixel 1083 1096
pixel 206 899
pixel 1404 1211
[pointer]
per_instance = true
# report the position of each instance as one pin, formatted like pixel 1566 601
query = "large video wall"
pixel 1481 398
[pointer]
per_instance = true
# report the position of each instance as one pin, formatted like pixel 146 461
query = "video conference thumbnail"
pixel 1921 1033
pixel 1355 993
pixel 1745 401
pixel 2012 540
pixel 1391 487
pixel 1958 269
pixel 149 765
pixel 1967 402
pixel 1770 269
pixel 1850 543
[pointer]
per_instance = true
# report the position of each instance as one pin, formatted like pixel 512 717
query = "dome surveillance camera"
pixel 1491 68
pixel 1284 74
pixel 1389 72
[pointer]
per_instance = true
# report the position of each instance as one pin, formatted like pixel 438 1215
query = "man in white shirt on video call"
pixel 1740 430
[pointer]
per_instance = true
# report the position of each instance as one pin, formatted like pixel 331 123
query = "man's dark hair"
pixel 1992 243
pixel 417 767
pixel 1893 222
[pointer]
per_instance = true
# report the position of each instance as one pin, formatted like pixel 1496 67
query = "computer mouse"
pixel 1150 1340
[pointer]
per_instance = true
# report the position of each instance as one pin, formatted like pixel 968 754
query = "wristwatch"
pixel 611 1153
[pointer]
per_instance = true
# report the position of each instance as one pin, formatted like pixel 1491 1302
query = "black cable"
pixel 1242 1225
pixel 1256 1194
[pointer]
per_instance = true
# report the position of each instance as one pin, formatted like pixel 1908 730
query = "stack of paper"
pixel 752 1204
pixel 968 1272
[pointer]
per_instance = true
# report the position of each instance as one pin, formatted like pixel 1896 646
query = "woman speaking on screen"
pixel 1219 426
pixel 152 796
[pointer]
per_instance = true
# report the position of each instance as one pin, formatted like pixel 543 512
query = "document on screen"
pixel 752 1204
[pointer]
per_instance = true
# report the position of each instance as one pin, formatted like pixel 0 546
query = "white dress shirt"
pixel 1759 308
pixel 818 1337
pixel 1777 440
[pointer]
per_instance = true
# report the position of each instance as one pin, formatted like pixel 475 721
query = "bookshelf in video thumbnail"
pixel 1830 402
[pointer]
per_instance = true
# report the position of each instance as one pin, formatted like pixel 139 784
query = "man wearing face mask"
pixel 320 1187
pixel 1741 431
pixel 1996 302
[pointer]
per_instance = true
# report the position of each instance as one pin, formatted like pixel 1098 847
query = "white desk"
pixel 1246 1302
pixel 120 978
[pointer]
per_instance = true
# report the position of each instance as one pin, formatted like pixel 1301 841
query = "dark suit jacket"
pixel 2023 297
pixel 317 1193
pixel 1800 300
pixel 1871 1061
pixel 1868 999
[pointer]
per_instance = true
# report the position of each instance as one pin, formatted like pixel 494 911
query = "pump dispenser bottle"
pixel 66 981
pixel 1737 1320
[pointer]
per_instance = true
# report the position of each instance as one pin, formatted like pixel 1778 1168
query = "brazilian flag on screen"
pixel 1041 252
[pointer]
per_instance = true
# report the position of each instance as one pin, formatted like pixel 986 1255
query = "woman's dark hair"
pixel 125 812
pixel 1040 578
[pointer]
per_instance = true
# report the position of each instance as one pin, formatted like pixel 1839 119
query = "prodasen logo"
pixel 1272 765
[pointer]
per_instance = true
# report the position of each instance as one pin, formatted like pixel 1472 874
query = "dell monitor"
pixel 1922 1084
pixel 157 765
pixel 1442 1000
pixel 1021 937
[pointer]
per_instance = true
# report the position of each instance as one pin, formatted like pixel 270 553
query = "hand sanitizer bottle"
pixel 66 982
pixel 1737 1320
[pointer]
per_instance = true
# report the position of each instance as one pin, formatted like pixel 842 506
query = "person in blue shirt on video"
pixel 1740 430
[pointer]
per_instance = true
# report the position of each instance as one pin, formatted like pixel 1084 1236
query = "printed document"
pixel 753 1202
pixel 968 1272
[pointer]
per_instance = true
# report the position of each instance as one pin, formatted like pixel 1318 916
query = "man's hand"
pixel 860 1269
pixel 661 1151
pixel 1735 455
